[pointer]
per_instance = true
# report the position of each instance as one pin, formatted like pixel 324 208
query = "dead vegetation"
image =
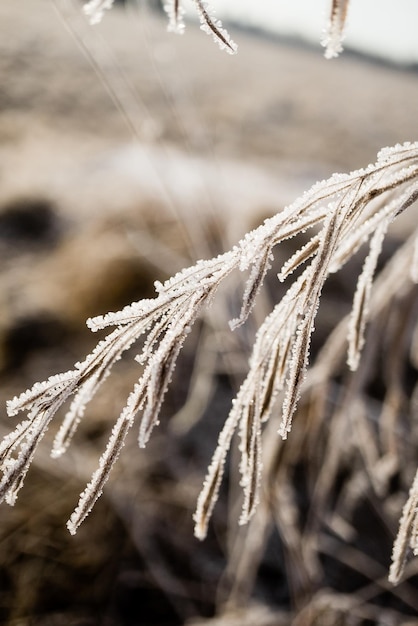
pixel 318 549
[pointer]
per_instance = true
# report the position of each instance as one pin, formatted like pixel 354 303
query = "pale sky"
pixel 385 28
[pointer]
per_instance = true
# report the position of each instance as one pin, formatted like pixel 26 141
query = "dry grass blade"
pixel 208 23
pixel 94 489
pixel 362 297
pixel 175 16
pixel 406 539
pixel 335 32
pixel 212 26
pixel 209 494
pixel 348 210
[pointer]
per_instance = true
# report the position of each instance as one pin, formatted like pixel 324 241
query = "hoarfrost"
pixel 96 8
pixel 347 210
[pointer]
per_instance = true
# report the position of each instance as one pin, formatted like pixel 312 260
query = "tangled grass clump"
pixel 342 214
pixel 338 219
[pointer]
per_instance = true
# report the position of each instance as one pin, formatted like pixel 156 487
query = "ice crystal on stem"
pixel 208 23
pixel 212 26
pixel 342 214
pixel 333 38
pixel 96 8
pixel 407 538
pixel 175 13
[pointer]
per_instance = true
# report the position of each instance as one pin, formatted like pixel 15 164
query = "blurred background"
pixel 127 153
pixel 392 37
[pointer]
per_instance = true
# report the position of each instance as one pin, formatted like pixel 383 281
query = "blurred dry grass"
pixel 105 220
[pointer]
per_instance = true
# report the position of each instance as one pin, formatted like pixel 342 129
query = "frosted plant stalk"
pixel 211 25
pixel 208 22
pixel 96 8
pixel 341 214
pixel 334 34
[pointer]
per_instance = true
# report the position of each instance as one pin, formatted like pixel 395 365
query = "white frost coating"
pixel 260 267
pixel 95 9
pixel 250 465
pixel 15 469
pixel 208 23
pixel 308 309
pixel 10 441
pixel 385 155
pixel 334 35
pixel 94 489
pixel 175 12
pixel 213 26
pixel 360 310
pixel 332 41
pixel 301 256
pixel 346 210
pixel 73 417
pixel 401 546
pixel 210 491
pixel 41 392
